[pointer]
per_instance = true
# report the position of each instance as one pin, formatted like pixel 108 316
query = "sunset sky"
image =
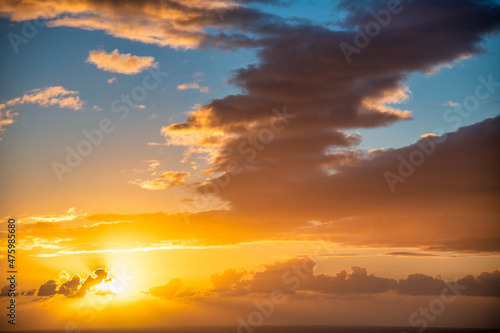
pixel 176 162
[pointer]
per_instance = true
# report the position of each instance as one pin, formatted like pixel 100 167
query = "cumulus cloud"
pixel 30 292
pixel 186 86
pixel 48 288
pixel 75 287
pixel 4 292
pixel 97 277
pixel 297 274
pixel 111 80
pixel 70 287
pixel 116 62
pixel 229 280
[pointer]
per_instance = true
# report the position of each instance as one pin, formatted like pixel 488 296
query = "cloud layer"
pixel 292 277
pixel 282 145
pixel 175 23
pixel 297 275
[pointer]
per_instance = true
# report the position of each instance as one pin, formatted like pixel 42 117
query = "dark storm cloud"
pixel 303 68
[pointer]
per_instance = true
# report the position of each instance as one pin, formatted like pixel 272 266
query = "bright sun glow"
pixel 109 287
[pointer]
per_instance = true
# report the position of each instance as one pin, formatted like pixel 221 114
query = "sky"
pixel 250 163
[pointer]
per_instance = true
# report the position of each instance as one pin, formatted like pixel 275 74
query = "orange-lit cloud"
pixel 7 117
pixel 344 202
pixel 292 277
pixel 297 275
pixel 195 85
pixel 288 134
pixel 75 287
pixel 178 24
pixel 229 281
pixel 300 172
pixel 69 215
pixel 50 96
pixel 174 178
pixel 163 180
pixel 116 62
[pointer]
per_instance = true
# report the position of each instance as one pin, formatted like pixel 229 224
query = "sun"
pixel 109 286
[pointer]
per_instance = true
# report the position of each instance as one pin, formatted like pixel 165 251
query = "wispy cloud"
pixel 163 181
pixel 150 184
pixel 450 104
pixel 70 215
pixel 6 118
pixel 159 247
pixel 174 177
pixel 30 242
pixel 50 96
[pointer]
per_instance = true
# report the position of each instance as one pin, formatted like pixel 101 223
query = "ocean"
pixel 278 329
